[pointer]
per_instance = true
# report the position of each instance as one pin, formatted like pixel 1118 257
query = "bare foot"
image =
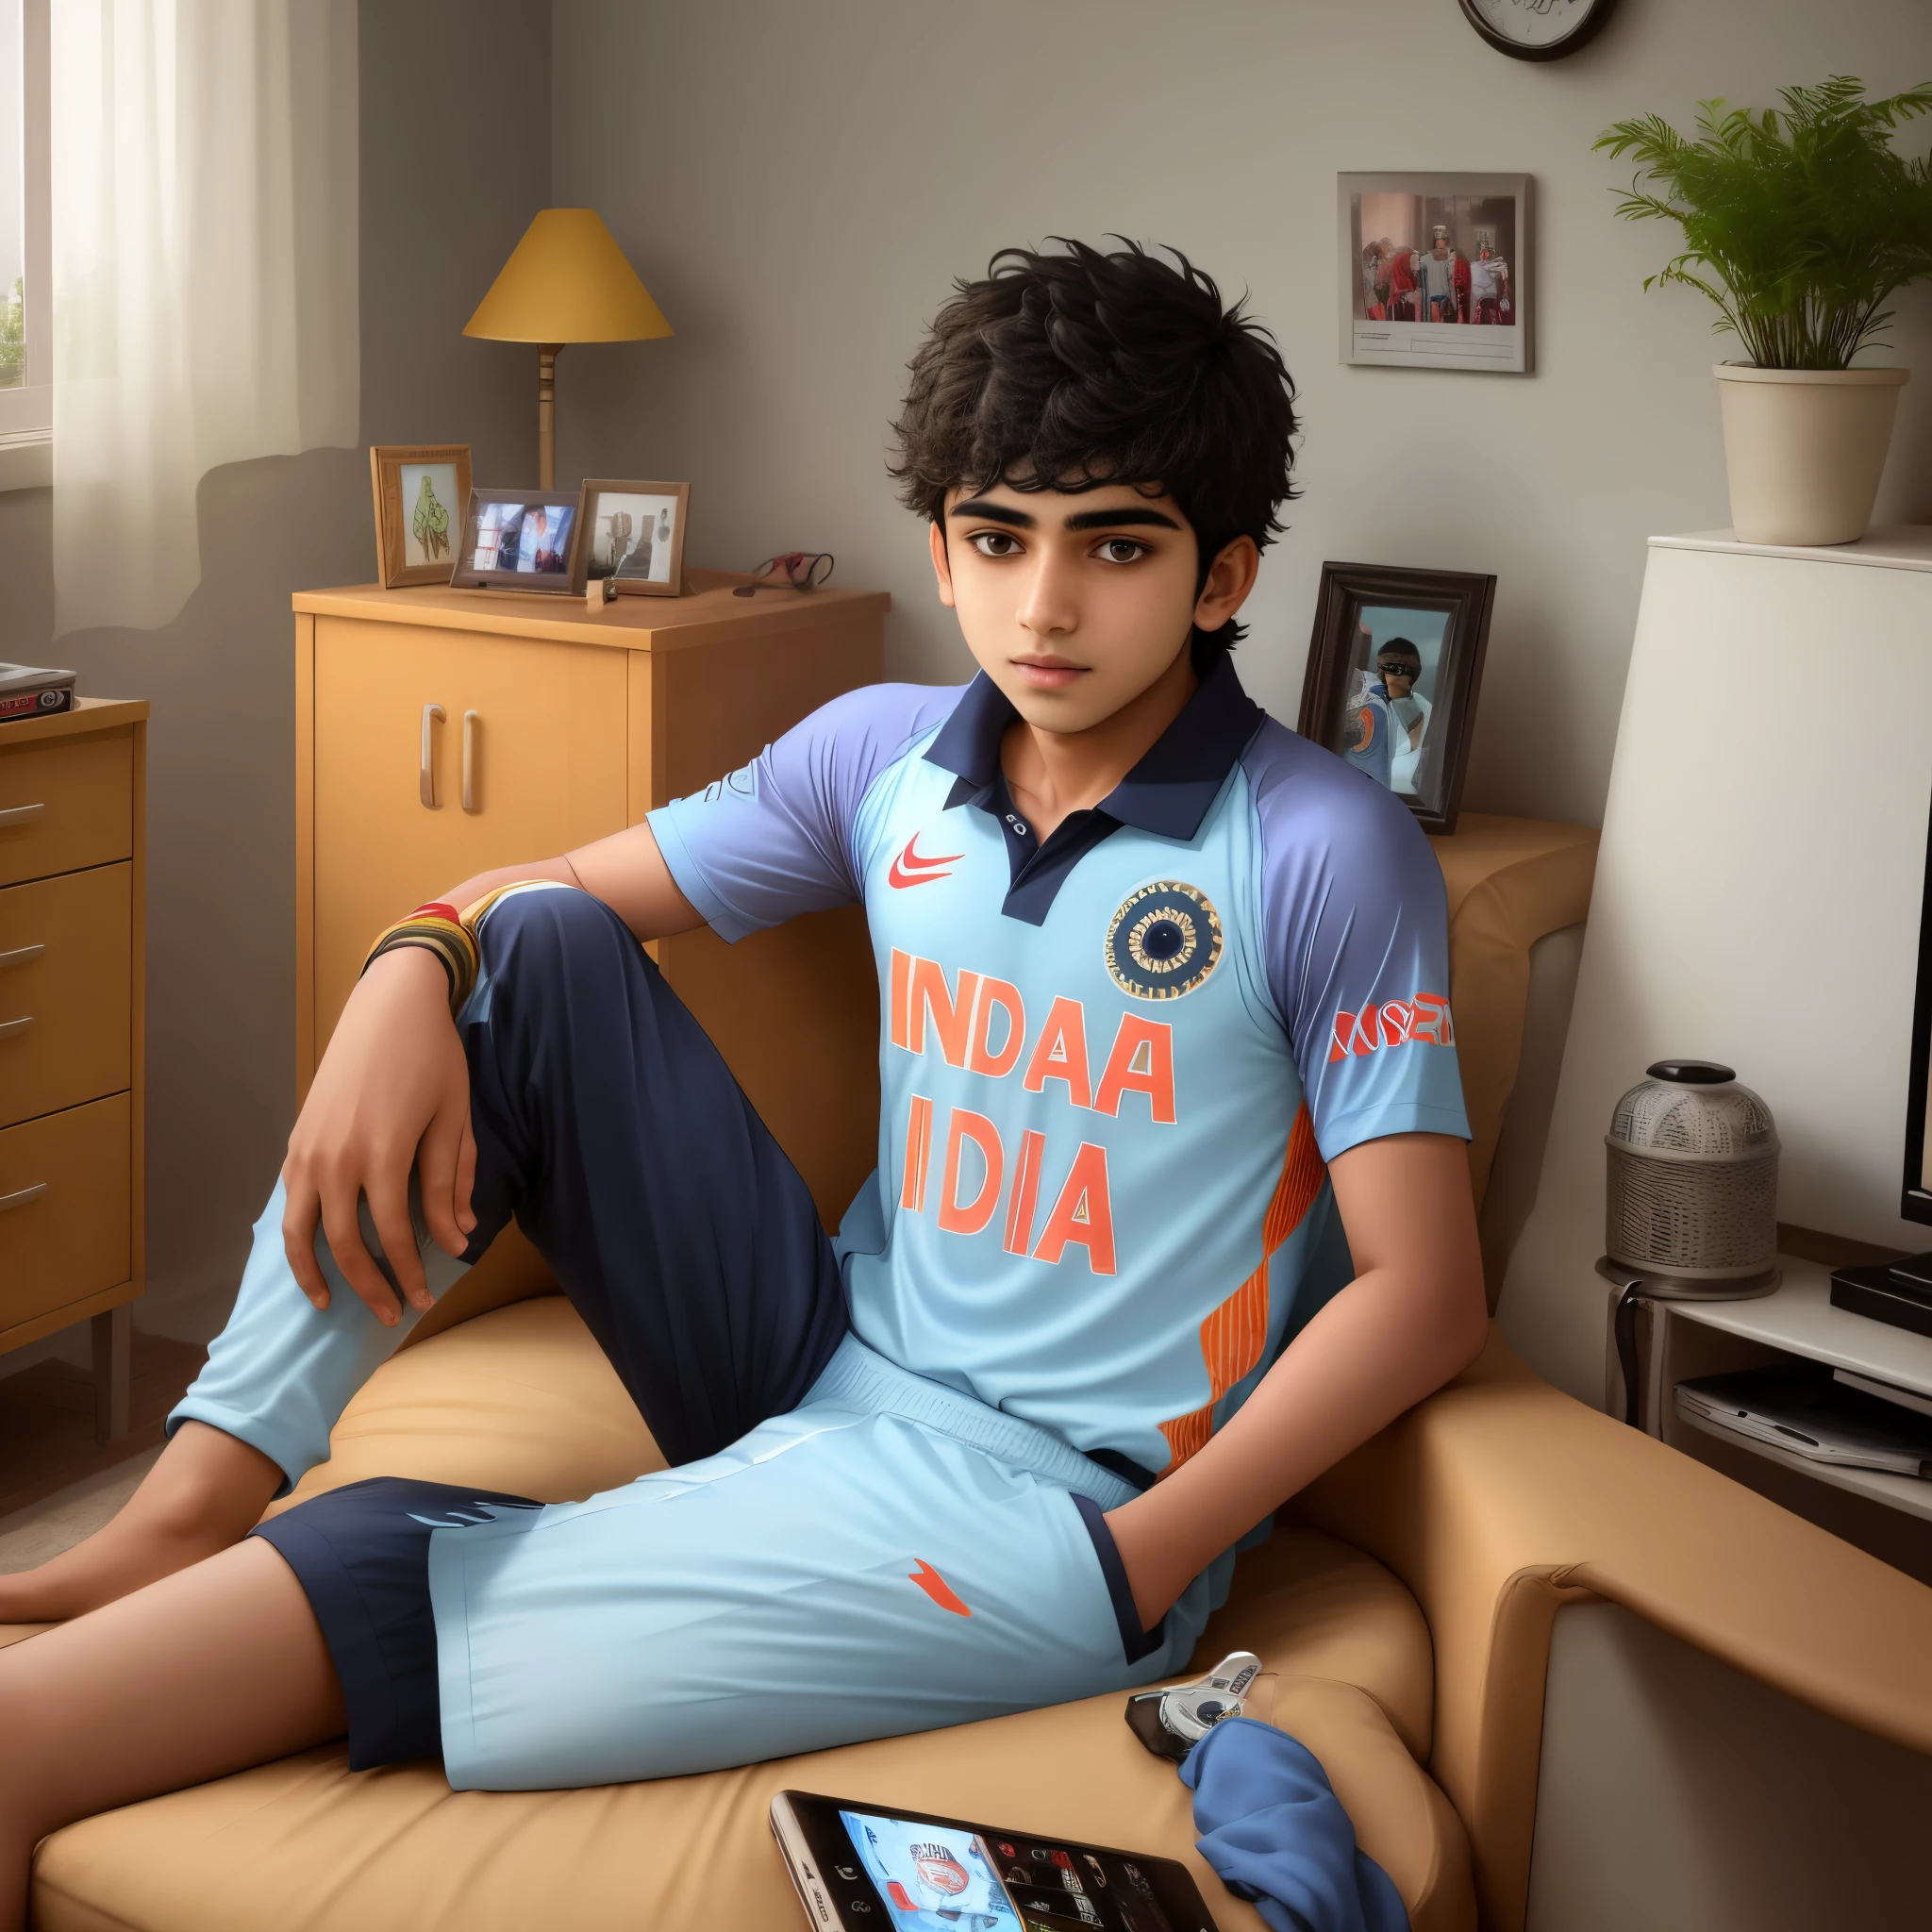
pixel 207 1491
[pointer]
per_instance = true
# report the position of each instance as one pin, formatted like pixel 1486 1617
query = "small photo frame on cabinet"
pixel 420 492
pixel 1394 666
pixel 634 537
pixel 520 540
pixel 1435 271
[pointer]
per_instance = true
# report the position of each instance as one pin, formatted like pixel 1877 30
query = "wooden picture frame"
pixel 403 554
pixel 662 558
pixel 1410 735
pixel 484 522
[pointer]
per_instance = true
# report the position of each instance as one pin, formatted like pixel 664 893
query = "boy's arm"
pixel 392 1090
pixel 1414 1317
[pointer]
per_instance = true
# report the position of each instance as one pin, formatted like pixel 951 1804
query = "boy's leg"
pixel 608 1124
pixel 206 1492
pixel 206 1672
pixel 607 1121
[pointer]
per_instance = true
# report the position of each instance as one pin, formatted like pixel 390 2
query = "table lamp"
pixel 566 282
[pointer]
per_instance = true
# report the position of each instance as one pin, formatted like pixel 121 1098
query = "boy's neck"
pixel 1052 775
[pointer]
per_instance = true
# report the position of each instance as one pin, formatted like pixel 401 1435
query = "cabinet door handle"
pixel 470 722
pixel 21 814
pixel 21 1196
pixel 12 1029
pixel 21 955
pixel 425 784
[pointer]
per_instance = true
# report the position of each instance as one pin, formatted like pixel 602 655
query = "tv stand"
pixel 1890 1516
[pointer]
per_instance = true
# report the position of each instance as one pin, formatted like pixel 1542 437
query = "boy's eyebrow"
pixel 1081 520
pixel 993 512
pixel 1114 519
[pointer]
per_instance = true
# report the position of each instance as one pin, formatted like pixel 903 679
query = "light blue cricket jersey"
pixel 1114 1066
pixel 1372 752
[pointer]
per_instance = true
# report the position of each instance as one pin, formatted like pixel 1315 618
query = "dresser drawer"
pixel 65 805
pixel 64 1208
pixel 64 992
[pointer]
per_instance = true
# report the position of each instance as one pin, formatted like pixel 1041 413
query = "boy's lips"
pixel 1048 673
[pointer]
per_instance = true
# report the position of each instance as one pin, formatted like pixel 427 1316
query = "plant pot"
pixel 1805 448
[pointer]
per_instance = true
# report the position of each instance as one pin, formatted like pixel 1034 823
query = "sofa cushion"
pixel 522 1399
pixel 306 1845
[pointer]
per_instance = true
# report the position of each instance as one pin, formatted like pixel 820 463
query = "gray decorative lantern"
pixel 1692 1206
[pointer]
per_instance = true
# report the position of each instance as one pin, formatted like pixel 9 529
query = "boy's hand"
pixel 392 1093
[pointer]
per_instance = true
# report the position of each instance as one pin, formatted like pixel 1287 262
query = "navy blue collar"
pixel 1168 793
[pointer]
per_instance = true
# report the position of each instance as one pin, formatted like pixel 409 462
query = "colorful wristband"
pixel 436 928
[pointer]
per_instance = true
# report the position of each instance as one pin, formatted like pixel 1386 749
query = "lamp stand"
pixel 546 414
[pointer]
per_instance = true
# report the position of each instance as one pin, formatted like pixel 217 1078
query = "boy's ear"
pixel 1230 577
pixel 942 564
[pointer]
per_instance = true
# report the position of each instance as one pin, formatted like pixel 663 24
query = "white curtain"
pixel 203 284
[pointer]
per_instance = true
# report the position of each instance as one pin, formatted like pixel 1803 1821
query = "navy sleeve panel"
pixel 775 837
pixel 1356 934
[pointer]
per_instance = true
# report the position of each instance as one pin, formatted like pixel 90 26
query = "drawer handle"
pixel 21 956
pixel 12 1029
pixel 23 1196
pixel 425 783
pixel 471 719
pixel 21 814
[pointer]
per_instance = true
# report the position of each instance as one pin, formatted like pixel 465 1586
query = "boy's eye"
pixel 1121 550
pixel 995 543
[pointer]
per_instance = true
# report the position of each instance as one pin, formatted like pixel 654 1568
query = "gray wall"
pixel 798 196
pixel 439 89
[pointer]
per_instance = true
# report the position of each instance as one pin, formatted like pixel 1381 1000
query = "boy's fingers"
pixel 437 1167
pixel 389 1208
pixel 301 1208
pixel 345 1233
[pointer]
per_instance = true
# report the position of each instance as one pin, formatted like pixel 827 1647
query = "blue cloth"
pixel 1276 1832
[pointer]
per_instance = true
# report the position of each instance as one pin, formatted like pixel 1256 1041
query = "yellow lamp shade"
pixel 567 281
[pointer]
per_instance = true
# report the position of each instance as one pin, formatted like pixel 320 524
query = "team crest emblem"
pixel 1163 941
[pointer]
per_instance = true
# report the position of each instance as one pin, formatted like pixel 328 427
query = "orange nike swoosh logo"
pixel 936 1587
pixel 911 869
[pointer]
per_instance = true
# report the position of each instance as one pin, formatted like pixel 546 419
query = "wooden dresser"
pixel 442 732
pixel 71 915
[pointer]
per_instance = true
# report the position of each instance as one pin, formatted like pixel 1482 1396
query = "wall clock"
pixel 1538 29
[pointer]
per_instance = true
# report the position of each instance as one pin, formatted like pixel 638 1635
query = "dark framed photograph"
pixel 1394 666
pixel 1435 271
pixel 520 540
pixel 634 537
pixel 420 492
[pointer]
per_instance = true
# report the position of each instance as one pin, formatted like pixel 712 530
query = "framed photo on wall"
pixel 420 492
pixel 634 537
pixel 520 540
pixel 1394 666
pixel 1435 271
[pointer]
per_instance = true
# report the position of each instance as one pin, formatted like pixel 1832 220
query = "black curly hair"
pixel 1074 370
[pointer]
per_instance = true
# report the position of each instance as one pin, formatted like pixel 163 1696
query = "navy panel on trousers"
pixel 608 1124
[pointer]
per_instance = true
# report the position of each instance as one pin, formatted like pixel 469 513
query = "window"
pixel 26 375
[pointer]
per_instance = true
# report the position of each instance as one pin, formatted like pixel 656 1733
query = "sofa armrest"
pixel 1499 1500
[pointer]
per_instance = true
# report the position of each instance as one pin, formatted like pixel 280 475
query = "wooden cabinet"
pixel 70 913
pixel 442 732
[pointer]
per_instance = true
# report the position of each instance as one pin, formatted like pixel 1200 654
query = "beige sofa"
pixel 1402 1612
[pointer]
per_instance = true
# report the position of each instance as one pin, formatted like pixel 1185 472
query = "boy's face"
pixel 1076 603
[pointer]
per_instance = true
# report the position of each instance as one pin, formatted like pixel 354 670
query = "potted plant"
pixel 1798 225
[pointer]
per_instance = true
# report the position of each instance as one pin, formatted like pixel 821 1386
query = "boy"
pixel 1161 990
